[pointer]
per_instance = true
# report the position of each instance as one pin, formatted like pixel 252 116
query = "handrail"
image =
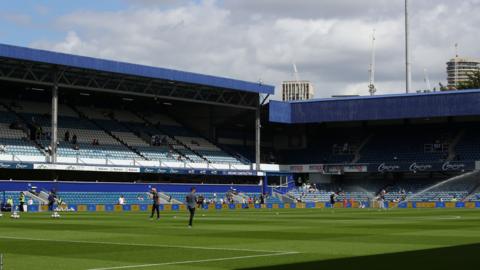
pixel 36 197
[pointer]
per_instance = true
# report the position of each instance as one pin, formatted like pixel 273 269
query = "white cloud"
pixel 328 40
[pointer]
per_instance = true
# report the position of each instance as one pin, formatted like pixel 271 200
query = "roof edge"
pixel 119 67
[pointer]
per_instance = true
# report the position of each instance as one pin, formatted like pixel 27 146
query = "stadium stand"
pixel 122 134
pixel 104 197
pixel 191 145
pixel 15 197
pixel 420 190
pixel 407 144
pixel 337 146
pixel 14 139
pixel 103 134
pixel 468 148
pixel 433 143
pixel 73 193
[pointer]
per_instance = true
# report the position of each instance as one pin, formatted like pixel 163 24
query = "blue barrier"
pixel 176 207
pixel 310 205
pixel 439 205
pixel 32 208
pixel 401 205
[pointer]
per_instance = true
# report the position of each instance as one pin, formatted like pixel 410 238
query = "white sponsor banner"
pixel 323 168
pixel 67 167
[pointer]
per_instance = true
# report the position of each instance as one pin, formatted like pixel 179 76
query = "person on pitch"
pixel 333 197
pixel 191 200
pixel 51 200
pixel 21 200
pixel 155 203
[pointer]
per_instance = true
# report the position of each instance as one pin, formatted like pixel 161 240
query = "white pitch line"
pixel 195 261
pixel 141 245
pixel 426 218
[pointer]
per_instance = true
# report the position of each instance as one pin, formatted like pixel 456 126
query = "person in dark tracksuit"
pixel 191 200
pixel 333 196
pixel 21 199
pixel 156 203
pixel 51 200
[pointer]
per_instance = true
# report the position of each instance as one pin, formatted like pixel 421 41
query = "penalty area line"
pixel 194 261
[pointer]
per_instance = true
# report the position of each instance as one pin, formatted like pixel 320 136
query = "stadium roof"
pixel 365 108
pixel 31 65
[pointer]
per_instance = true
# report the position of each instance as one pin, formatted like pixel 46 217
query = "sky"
pixel 253 40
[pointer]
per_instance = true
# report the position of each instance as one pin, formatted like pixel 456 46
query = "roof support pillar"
pixel 54 131
pixel 257 138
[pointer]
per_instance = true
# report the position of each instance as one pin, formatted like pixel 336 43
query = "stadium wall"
pixel 405 106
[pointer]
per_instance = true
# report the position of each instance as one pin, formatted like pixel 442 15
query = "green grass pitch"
pixel 245 239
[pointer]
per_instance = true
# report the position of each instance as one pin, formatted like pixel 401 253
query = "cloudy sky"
pixel 329 40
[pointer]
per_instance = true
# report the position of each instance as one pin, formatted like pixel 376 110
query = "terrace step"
pixel 26 132
pixel 221 147
pixel 82 115
pixel 169 135
pixel 451 148
pixel 360 147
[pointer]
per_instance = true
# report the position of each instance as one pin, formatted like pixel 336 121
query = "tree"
pixel 473 81
pixel 442 87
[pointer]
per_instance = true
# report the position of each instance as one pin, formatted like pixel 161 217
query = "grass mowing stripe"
pixel 143 245
pixel 195 261
pixel 325 239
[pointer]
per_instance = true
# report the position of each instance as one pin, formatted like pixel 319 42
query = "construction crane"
pixel 371 86
pixel 456 65
pixel 295 73
pixel 426 79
